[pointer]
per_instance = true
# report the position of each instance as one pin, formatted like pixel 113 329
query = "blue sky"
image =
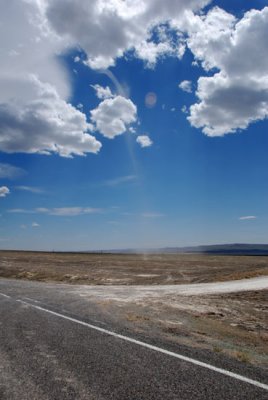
pixel 146 137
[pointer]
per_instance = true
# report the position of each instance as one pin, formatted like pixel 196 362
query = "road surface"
pixel 56 345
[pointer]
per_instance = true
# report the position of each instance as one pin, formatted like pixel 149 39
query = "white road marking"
pixel 154 348
pixel 35 301
pixel 5 295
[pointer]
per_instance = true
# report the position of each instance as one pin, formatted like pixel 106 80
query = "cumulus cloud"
pixel 186 86
pixel 4 191
pixel 9 171
pixel 237 94
pixel 35 113
pixel 105 30
pixel 35 116
pixel 102 92
pixel 45 125
pixel 150 52
pixel 144 141
pixel 112 116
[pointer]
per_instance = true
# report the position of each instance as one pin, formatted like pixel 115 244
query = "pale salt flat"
pixel 139 292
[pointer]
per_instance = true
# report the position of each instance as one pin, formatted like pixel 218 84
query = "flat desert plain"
pixel 147 293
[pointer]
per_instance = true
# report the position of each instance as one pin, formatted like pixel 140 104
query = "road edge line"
pixel 152 347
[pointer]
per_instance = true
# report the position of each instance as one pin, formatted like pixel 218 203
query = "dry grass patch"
pixel 131 317
pixel 129 269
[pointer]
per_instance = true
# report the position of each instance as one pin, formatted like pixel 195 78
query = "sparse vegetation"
pixel 129 269
pixel 131 317
pixel 242 356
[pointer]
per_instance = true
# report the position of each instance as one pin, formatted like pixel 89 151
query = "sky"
pixel 133 123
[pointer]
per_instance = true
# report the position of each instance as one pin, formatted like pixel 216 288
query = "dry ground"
pixel 129 269
pixel 235 324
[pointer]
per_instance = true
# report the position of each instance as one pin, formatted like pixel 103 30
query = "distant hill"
pixel 232 249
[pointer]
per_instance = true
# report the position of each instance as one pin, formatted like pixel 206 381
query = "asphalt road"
pixel 51 348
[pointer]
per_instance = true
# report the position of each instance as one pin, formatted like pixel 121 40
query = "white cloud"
pixel 186 86
pixel 112 116
pixel 21 211
pixel 102 92
pixel 105 30
pixel 237 94
pixel 152 215
pixel 71 211
pixel 150 52
pixel 57 211
pixel 45 125
pixel 10 171
pixel 35 116
pixel 4 191
pixel 120 180
pixel 247 217
pixel 30 189
pixel 35 225
pixel 144 141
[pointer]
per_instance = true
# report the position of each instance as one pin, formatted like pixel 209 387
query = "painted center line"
pixel 5 295
pixel 149 346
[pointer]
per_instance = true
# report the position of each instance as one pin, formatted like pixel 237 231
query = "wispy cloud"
pixel 120 180
pixel 35 225
pixel 72 211
pixel 58 211
pixel 30 189
pixel 152 215
pixel 113 222
pixel 21 211
pixel 247 217
pixel 9 171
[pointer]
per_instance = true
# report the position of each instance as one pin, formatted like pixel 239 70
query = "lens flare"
pixel 150 99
